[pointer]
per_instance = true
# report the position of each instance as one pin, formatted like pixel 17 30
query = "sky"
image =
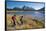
pixel 27 0
pixel 12 4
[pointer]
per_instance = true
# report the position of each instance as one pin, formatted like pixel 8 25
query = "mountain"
pixel 42 9
pixel 16 8
pixel 28 9
pixel 24 8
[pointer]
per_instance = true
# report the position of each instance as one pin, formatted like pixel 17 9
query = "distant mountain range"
pixel 43 9
pixel 25 8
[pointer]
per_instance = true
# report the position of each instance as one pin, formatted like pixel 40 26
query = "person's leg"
pixel 13 22
pixel 21 21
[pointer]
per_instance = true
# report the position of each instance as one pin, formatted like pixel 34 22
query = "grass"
pixel 28 23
